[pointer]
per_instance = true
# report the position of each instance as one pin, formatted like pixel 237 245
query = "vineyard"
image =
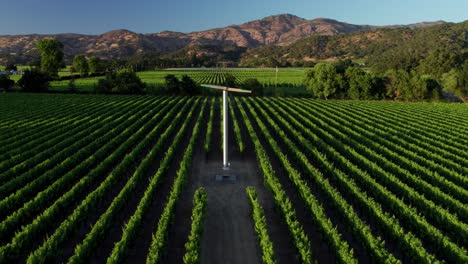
pixel 131 179
pixel 287 77
pixel 217 76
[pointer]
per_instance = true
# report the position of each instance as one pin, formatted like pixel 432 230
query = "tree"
pixel 342 65
pixel 438 62
pixel 11 67
pixel 254 85
pixel 464 77
pixel 10 63
pixel 454 82
pixel 361 85
pixel 229 80
pixel 95 65
pixel 72 86
pixel 124 81
pixel 51 56
pixel 34 80
pixel 81 64
pixel 354 78
pixel 5 82
pixel 188 85
pixel 424 87
pixel 324 81
pixel 172 83
pixel 104 86
pixel 450 81
pixel 398 84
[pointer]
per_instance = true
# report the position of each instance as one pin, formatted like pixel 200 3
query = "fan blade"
pixel 214 86
pixel 229 89
pixel 237 90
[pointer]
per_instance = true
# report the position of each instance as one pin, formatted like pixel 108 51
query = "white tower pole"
pixel 225 117
pixel 225 130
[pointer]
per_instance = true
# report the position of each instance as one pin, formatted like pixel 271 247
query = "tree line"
pixel 344 80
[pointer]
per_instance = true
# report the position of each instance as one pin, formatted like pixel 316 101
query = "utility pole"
pixel 276 78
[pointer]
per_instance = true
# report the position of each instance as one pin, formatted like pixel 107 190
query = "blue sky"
pixel 148 16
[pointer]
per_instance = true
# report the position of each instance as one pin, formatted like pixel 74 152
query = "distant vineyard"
pixel 101 178
pixel 286 77
pixel 217 76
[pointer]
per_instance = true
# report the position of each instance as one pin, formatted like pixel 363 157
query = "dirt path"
pixel 229 235
pixel 228 230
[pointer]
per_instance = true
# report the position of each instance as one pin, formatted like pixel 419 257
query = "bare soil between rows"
pixel 228 235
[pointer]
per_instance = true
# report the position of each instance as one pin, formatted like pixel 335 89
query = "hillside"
pixel 280 30
pixel 408 43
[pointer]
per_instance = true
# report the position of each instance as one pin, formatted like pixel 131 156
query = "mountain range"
pixel 278 30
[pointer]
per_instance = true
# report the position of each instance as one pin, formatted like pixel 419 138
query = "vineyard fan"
pixel 225 117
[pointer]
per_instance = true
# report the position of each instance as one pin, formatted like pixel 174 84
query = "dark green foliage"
pixel 5 82
pixel 393 59
pixel 81 64
pixel 342 65
pixel 51 56
pixel 185 86
pixel 424 88
pixel 34 80
pixel 9 62
pixel 455 82
pixel 156 89
pixel 402 85
pixel 11 67
pixel 254 85
pixel 188 85
pixel 122 82
pixel 104 86
pixel 172 84
pixel 72 85
pixel 229 80
pixel 432 50
pixel 398 84
pixel 360 84
pixel 438 62
pixel 324 81
pixel 95 65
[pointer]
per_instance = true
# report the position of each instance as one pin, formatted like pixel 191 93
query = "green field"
pixel 93 178
pixel 287 78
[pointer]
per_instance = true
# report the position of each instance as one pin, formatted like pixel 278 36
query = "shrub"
pixel 172 83
pixel 34 81
pixel 5 82
pixel 156 89
pixel 72 86
pixel 188 85
pixel 254 85
pixel 124 82
pixel 229 80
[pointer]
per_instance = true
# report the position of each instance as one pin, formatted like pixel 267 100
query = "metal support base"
pixel 226 178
